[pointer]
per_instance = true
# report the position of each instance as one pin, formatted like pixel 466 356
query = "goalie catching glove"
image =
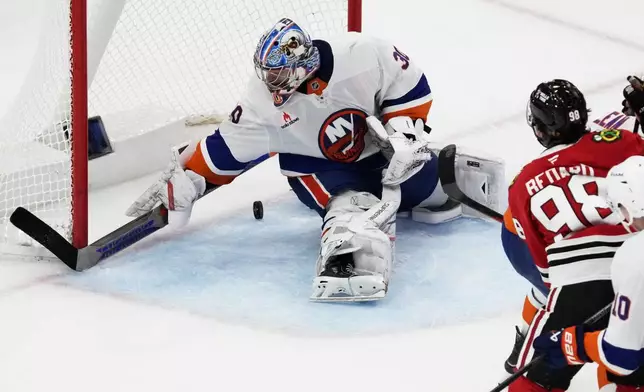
pixel 405 143
pixel 177 189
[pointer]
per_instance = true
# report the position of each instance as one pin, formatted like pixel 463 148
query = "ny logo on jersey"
pixel 341 136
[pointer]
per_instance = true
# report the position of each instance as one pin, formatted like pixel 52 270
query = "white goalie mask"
pixel 625 188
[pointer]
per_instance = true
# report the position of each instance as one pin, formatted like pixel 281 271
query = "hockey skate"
pixel 513 359
pixel 338 282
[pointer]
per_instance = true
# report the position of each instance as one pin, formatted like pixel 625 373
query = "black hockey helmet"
pixel 557 113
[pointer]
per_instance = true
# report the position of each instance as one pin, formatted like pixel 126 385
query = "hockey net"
pixel 148 63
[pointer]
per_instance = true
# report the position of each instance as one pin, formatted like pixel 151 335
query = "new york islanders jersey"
pixel 620 347
pixel 558 208
pixel 321 127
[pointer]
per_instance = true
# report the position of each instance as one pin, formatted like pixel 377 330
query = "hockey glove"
pixel 405 143
pixel 177 189
pixel 633 104
pixel 562 348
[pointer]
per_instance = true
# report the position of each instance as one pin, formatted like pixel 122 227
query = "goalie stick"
pixel 112 243
pixel 87 257
pixel 447 175
pixel 536 360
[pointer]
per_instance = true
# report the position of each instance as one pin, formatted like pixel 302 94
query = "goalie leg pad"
pixel 359 288
pixel 357 247
pixel 482 178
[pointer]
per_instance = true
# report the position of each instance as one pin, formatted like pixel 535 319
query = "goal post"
pixel 150 69
pixel 79 117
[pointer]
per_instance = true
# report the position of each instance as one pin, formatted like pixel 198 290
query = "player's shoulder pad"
pixel 354 50
pixel 627 259
pixel 366 45
pixel 519 173
pixel 352 41
pixel 256 101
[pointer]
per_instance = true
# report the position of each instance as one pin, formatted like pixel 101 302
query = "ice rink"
pixel 222 305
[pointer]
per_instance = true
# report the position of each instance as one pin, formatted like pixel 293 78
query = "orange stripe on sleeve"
pixel 602 377
pixel 591 345
pixel 197 163
pixel 420 111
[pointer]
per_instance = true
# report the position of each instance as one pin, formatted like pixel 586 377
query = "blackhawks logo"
pixel 607 135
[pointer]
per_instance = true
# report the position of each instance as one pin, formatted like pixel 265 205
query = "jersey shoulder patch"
pixel 607 136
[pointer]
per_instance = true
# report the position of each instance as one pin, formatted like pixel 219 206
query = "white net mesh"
pixel 170 59
pixel 150 62
pixel 36 170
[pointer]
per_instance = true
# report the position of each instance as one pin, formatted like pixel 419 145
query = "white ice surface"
pixel 176 312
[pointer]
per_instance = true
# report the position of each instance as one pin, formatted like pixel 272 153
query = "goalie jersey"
pixel 323 126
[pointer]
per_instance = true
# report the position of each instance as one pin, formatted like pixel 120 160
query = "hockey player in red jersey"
pixel 558 210
pixel 516 248
pixel 618 349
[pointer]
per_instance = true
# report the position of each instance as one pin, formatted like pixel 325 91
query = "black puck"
pixel 258 209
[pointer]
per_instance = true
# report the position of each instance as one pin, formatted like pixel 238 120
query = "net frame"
pixel 83 63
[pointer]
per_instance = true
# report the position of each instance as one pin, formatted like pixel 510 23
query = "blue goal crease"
pixel 259 274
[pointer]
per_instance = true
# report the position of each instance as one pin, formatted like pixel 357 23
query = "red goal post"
pixel 147 67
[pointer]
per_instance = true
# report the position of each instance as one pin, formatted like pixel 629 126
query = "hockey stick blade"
pixel 121 238
pixel 89 256
pixel 447 175
pixel 45 235
pixel 112 243
pixel 536 360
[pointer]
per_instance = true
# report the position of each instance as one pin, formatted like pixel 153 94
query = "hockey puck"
pixel 258 209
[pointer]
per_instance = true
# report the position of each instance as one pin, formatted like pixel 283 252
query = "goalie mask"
pixel 285 57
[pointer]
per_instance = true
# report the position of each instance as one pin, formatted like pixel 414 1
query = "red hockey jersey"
pixel 558 207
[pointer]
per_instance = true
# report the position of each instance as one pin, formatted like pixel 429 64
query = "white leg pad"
pixel 482 177
pixel 364 226
pixel 357 288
